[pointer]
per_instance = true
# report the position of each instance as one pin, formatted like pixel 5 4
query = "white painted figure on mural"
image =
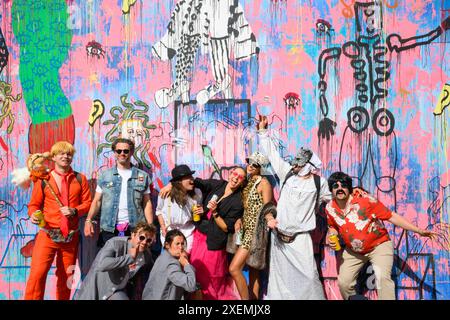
pixel 134 130
pixel 221 28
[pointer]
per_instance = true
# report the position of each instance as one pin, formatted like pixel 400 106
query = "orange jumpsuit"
pixel 45 249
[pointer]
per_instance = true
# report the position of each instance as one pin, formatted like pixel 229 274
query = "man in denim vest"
pixel 122 196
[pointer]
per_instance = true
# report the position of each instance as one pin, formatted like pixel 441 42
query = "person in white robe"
pixel 293 273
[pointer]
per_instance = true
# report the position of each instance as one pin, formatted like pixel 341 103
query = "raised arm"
pixel 268 148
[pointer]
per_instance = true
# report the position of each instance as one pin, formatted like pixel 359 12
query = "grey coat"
pixel 109 272
pixel 167 279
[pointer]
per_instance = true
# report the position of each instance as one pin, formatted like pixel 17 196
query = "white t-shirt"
pixel 177 217
pixel 122 215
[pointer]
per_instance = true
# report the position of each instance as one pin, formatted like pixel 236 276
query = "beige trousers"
pixel 381 258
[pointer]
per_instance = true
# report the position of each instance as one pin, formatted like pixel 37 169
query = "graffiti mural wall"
pixel 366 84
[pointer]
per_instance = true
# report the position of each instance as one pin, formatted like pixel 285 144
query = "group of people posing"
pixel 210 230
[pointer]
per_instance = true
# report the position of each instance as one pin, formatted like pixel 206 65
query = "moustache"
pixel 340 191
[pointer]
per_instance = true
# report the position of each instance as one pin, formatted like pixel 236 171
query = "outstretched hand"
pixel 326 128
pixel 428 233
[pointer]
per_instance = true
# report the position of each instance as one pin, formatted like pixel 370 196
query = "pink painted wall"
pixel 385 67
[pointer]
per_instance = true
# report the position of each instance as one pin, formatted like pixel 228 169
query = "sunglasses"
pixel 143 238
pixel 336 185
pixel 253 164
pixel 240 177
pixel 125 151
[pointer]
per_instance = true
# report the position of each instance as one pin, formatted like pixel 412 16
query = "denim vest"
pixel 111 182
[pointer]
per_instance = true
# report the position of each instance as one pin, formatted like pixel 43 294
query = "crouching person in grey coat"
pixel 172 273
pixel 119 265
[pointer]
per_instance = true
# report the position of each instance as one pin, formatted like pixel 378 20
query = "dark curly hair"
pixel 341 177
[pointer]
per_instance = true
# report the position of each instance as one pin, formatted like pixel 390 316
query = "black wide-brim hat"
pixel 180 172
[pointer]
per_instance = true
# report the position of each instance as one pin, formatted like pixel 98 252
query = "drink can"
pixel 195 216
pixel 334 238
pixel 40 216
pixel 214 198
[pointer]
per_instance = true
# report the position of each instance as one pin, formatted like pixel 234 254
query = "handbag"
pixel 258 257
pixel 231 243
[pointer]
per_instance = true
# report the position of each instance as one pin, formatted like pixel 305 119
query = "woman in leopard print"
pixel 256 194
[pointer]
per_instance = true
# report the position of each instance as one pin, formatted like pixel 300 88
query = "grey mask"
pixel 302 157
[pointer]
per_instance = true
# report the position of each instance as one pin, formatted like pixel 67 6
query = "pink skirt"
pixel 211 271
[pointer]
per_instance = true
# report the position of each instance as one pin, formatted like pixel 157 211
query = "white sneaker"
pixel 210 91
pixel 165 96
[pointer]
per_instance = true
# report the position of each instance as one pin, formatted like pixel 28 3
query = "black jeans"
pixel 106 235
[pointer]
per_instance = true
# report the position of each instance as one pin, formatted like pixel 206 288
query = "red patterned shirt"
pixel 359 224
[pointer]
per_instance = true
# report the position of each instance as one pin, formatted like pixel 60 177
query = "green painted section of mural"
pixel 40 28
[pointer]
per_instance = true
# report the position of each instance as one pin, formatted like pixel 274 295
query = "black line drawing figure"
pixel 370 124
pixel 369 121
pixel 217 26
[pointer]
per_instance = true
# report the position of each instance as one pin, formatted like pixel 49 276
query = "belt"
pixel 285 237
pixel 57 237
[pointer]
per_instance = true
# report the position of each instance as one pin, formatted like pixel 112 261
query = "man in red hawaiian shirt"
pixel 358 221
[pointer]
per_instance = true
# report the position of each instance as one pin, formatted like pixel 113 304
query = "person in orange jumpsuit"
pixel 59 237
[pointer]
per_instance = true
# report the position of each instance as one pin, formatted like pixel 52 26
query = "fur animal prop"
pixel 35 170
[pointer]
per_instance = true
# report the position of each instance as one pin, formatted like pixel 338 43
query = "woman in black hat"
pixel 176 211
